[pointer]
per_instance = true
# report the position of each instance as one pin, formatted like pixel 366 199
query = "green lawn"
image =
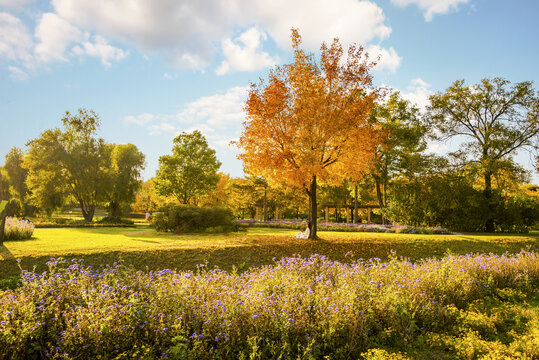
pixel 145 248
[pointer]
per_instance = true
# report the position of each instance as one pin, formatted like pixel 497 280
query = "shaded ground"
pixel 146 249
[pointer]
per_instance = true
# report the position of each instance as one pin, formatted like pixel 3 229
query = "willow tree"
pixel 310 122
pixel 70 162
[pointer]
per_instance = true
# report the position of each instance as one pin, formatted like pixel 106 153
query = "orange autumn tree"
pixel 309 122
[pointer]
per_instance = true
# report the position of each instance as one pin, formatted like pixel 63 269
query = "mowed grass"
pixel 144 248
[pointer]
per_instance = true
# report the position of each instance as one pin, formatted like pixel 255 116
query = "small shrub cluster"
pixel 56 222
pixel 17 229
pixel 348 227
pixel 186 219
pixel 112 220
pixel 309 308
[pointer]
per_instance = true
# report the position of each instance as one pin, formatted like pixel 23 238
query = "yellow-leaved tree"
pixel 310 122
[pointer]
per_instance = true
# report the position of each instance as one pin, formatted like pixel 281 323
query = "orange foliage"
pixel 311 119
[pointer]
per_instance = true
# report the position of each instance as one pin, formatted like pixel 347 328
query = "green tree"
pixel 16 173
pixel 401 155
pixel 190 172
pixel 3 212
pixel 71 162
pixel 498 120
pixel 126 164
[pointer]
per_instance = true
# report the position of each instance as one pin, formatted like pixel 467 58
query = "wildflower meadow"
pixel 460 306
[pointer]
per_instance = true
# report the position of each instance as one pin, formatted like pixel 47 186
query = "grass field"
pixel 144 248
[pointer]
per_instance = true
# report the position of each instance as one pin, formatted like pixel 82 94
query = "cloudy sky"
pixel 152 69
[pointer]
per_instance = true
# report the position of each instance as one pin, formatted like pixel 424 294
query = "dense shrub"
pixel 17 229
pixel 115 220
pixel 309 308
pixel 454 203
pixel 517 214
pixel 181 219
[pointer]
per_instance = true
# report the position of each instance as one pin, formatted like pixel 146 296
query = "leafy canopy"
pixel 311 119
pixel 496 118
pixel 71 162
pixel 126 165
pixel 190 172
pixel 74 164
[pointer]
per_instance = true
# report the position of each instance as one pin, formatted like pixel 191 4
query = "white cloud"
pixel 351 21
pixel 55 39
pixel 244 54
pixel 418 93
pixel 15 39
pixel 432 7
pixel 55 36
pixel 389 59
pixel 189 31
pixel 221 111
pixel 189 60
pixel 14 4
pixel 162 128
pixel 100 49
pixel 17 74
pixel 141 119
pixel 219 117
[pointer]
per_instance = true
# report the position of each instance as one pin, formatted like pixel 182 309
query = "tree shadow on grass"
pixel 5 254
pixel 258 251
pixel 146 241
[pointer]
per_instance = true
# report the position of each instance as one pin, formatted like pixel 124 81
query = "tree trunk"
pixel 380 196
pixel 87 212
pixel 489 224
pixel 355 205
pixel 265 204
pixel 2 215
pixel 115 210
pixel 313 209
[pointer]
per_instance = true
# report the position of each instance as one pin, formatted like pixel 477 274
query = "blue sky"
pixel 152 69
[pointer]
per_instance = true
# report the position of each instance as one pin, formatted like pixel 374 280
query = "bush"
pixel 452 202
pixel 182 219
pixel 517 214
pixel 115 220
pixel 18 229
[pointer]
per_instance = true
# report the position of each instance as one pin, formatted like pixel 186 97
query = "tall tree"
pixel 3 212
pixel 401 152
pixel 190 172
pixel 126 164
pixel 17 174
pixel 244 197
pixel 71 161
pixel 498 120
pixel 309 123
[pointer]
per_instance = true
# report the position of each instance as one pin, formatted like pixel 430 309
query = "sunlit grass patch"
pixel 144 247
